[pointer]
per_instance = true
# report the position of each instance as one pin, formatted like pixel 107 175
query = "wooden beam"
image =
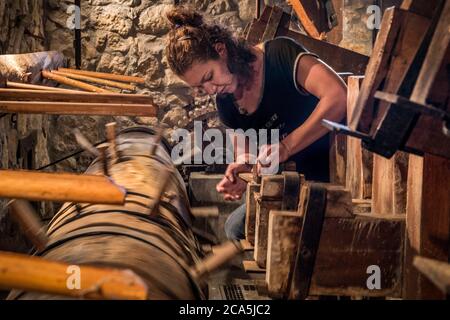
pixel 73 96
pixel 427 221
pixel 82 108
pixel 359 160
pixel 377 68
pixel 250 213
pixel 29 273
pixel 73 83
pixel 105 82
pixel 62 187
pixel 104 75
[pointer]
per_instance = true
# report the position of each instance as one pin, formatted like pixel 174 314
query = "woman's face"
pixel 211 77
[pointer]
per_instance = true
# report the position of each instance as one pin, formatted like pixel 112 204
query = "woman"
pixel 274 85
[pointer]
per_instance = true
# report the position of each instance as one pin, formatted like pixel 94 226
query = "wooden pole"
pixel 72 96
pixel 104 75
pixel 18 85
pixel 95 80
pixel 111 137
pixel 29 273
pixel 73 83
pixel 164 182
pixel 42 186
pixel 74 108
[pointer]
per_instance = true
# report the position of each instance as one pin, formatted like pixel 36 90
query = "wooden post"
pixel 111 137
pixel 359 160
pixel 62 187
pixel 37 274
pixel 427 221
pixel 250 214
pixel 389 184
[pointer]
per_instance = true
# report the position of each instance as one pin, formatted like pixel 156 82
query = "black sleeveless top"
pixel 283 105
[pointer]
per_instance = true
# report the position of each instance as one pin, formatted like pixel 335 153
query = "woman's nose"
pixel 210 88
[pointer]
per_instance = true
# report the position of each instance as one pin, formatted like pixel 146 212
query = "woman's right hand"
pixel 231 185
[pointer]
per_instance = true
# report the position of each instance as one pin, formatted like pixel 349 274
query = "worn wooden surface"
pixel 282 242
pixel 389 184
pixel 41 186
pixel 263 208
pixel 359 160
pixel 250 215
pixel 432 86
pixel 427 221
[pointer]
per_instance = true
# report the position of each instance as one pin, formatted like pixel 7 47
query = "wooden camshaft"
pixel 150 234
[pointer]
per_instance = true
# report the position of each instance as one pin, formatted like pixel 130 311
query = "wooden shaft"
pixel 78 108
pixel 24 214
pixel 105 82
pixel 73 83
pixel 18 85
pixel 221 255
pixel 104 75
pixel 72 96
pixel 165 179
pixel 158 137
pixel 42 186
pixel 111 137
pixel 29 273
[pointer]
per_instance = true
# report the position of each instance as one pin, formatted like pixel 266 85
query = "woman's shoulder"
pixel 281 43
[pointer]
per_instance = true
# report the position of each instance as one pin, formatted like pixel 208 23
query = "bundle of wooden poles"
pixel 18 97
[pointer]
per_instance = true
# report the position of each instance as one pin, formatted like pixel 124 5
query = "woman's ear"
pixel 221 50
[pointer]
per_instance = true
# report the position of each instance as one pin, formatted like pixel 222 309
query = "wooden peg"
pixel 166 173
pixel 221 255
pixel 158 137
pixel 24 214
pixel 111 137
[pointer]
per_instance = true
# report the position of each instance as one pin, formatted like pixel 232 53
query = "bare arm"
pixel 321 81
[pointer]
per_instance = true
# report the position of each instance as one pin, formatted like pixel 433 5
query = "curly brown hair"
pixel 191 40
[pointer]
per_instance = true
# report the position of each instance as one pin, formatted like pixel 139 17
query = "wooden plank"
pixel 40 275
pixel 389 184
pixel 338 158
pixel 312 17
pixel 284 231
pixel 104 75
pixel 73 83
pixel 272 24
pixel 74 108
pixel 432 87
pixel 73 96
pixel 250 213
pixel 377 69
pixel 263 208
pixel 359 160
pixel 427 221
pixel 408 41
pixel 62 187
